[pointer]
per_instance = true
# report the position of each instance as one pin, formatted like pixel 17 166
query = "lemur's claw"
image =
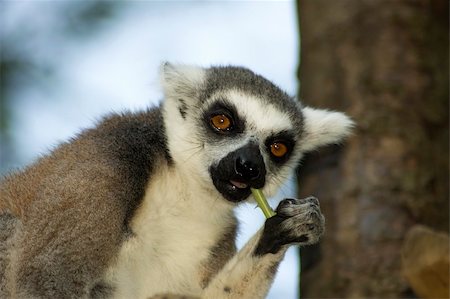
pixel 297 221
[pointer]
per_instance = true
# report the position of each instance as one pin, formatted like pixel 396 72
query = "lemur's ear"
pixel 181 81
pixel 322 127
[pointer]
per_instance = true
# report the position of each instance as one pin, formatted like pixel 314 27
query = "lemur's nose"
pixel 249 165
pixel 247 169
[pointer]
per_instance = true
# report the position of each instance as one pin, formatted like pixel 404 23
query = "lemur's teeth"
pixel 238 184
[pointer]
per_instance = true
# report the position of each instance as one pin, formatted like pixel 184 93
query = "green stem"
pixel 262 203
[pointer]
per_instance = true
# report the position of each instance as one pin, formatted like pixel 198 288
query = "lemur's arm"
pixel 247 274
pixel 250 273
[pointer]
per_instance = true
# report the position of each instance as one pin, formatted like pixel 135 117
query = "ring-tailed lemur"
pixel 142 204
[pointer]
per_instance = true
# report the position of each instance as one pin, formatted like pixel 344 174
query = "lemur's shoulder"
pixel 79 199
pixel 118 154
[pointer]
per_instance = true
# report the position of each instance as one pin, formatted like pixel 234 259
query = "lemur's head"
pixel 233 129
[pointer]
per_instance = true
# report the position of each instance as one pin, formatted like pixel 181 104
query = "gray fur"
pixel 182 108
pixel 76 215
pixel 101 291
pixel 7 227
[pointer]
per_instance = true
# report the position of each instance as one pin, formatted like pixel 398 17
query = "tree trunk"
pixel 385 63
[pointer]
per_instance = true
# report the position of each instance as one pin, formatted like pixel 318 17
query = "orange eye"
pixel 278 149
pixel 221 122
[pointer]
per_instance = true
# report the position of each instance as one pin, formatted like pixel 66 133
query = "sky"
pixel 82 72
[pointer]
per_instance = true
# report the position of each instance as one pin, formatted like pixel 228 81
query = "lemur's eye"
pixel 278 149
pixel 221 122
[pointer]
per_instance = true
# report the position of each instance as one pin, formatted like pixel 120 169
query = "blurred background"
pixel 384 193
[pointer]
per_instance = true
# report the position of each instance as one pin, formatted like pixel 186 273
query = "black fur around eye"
pixel 222 119
pixel 280 146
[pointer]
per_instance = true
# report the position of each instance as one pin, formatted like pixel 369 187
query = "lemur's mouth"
pixel 238 185
pixel 231 189
pixel 237 172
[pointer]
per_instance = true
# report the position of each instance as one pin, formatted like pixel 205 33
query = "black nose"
pixel 249 165
pixel 247 169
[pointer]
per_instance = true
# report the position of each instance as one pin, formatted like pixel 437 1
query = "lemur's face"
pixel 250 142
pixel 234 130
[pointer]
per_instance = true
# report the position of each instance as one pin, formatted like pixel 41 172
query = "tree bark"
pixel 385 63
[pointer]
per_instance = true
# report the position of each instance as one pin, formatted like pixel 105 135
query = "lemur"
pixel 141 205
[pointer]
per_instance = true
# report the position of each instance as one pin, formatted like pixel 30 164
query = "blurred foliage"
pixel 19 66
pixel 10 70
pixel 85 18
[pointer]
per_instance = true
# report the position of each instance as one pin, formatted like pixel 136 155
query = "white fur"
pixel 181 80
pixel 174 229
pixel 322 127
pixel 261 118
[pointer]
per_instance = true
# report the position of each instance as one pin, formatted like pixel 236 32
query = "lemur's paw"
pixel 297 221
pixel 303 222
